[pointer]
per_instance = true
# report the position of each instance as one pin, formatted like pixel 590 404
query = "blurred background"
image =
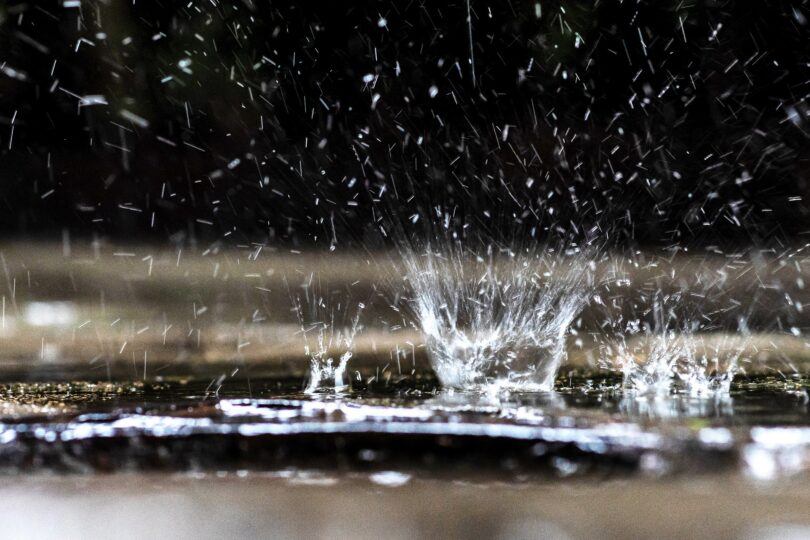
pixel 330 124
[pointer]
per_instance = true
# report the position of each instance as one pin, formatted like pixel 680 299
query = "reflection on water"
pixel 676 406
pixel 762 429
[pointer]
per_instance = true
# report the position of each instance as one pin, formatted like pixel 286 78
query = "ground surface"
pixel 322 506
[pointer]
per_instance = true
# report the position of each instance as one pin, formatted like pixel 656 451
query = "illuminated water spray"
pixel 328 336
pixel 496 321
pixel 670 355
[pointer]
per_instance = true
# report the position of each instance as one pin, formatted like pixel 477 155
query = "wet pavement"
pixel 588 427
pixel 236 458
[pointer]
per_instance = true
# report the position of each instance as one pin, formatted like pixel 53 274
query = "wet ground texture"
pixel 587 427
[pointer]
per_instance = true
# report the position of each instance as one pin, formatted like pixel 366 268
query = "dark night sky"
pixel 651 122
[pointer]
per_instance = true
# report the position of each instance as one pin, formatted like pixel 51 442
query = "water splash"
pixel 327 337
pixel 496 321
pixel 710 363
pixel 674 357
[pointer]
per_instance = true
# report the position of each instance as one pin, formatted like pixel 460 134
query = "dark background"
pixel 652 123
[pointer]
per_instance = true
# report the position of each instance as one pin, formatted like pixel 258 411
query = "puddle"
pixel 586 427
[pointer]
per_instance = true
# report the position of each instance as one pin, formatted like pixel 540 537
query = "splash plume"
pixel 497 319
